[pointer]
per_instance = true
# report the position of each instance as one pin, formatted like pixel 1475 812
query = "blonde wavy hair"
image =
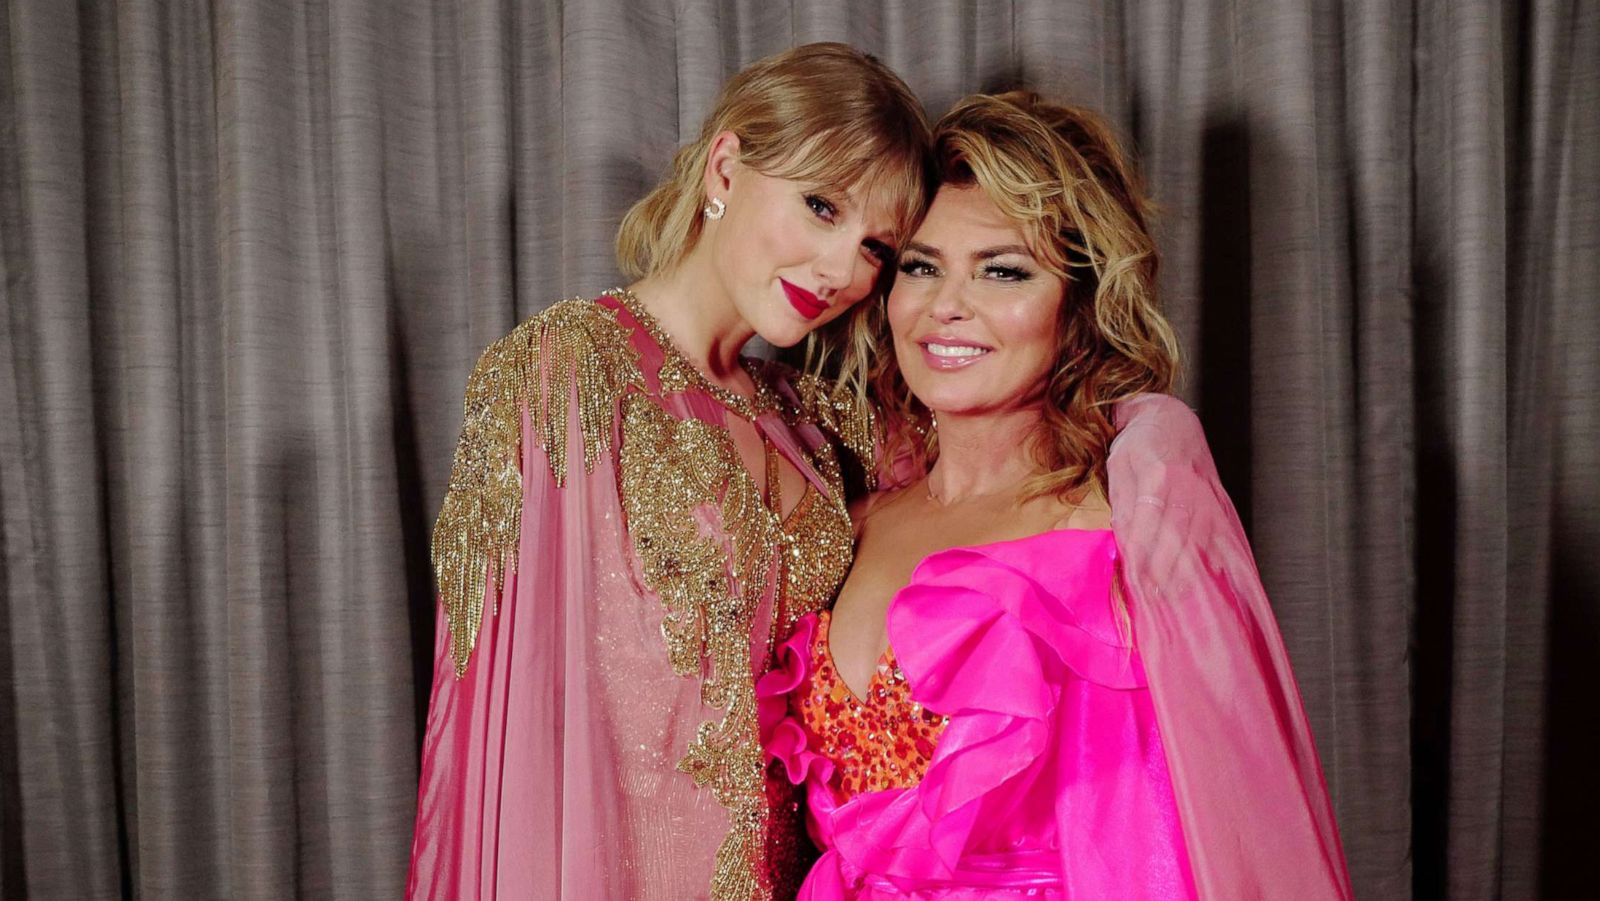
pixel 1060 173
pixel 822 113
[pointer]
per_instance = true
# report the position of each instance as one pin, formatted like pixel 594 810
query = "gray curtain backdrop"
pixel 251 248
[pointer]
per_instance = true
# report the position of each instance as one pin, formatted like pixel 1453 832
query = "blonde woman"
pixel 637 515
pixel 1051 672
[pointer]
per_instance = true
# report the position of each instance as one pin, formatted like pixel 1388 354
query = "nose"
pixel 835 266
pixel 948 302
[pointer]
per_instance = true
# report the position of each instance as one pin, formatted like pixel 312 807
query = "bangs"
pixel 1020 186
pixel 870 166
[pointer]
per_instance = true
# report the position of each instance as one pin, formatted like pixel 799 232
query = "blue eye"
pixel 821 207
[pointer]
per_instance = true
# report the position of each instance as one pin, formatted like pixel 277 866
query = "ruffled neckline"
pixel 986 634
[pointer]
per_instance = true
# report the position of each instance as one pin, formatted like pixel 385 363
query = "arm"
pixel 1249 787
pixel 573 355
pixel 532 477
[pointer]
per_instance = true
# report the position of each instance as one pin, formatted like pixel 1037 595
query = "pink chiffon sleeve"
pixel 556 721
pixel 1249 787
pixel 514 790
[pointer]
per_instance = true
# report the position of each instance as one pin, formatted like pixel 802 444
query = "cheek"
pixel 757 240
pixel 902 308
pixel 787 239
pixel 1032 331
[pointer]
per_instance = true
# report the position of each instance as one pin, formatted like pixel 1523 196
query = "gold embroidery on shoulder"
pixel 848 418
pixel 574 347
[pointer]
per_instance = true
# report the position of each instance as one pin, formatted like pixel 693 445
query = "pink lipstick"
pixel 948 353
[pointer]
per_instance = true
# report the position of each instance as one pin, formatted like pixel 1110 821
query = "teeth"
pixel 946 350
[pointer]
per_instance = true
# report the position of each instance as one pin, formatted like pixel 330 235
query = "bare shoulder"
pixel 1091 511
pixel 869 505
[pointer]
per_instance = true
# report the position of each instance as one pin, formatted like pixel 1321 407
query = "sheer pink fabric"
pixel 550 768
pixel 1251 796
pixel 1074 765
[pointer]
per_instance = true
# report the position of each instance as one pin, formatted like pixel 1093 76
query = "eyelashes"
pixel 826 210
pixel 1006 273
pixel 917 267
pixel 822 207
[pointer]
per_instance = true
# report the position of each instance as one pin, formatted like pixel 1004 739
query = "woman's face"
pixel 791 256
pixel 972 311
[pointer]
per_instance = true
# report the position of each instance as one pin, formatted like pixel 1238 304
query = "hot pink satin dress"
pixel 1164 755
pixel 1049 779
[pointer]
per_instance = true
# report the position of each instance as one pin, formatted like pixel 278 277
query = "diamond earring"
pixel 715 208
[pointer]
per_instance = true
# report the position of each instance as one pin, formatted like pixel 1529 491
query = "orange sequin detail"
pixel 884 740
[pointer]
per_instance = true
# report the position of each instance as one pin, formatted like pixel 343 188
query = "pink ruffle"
pixel 970 620
pixel 1048 778
pixel 782 737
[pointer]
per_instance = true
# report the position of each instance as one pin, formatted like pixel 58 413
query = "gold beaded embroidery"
pixel 707 546
pixel 839 412
pixel 672 472
pixel 575 346
pixel 677 374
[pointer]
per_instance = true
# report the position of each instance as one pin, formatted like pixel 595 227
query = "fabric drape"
pixel 251 250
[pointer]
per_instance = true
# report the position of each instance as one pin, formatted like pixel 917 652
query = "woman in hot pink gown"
pixel 1052 671
pixel 637 515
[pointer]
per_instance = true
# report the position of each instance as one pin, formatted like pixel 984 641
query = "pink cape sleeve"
pixel 494 753
pixel 556 720
pixel 1249 787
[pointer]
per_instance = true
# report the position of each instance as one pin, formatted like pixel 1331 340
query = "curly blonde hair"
pixel 824 113
pixel 1061 174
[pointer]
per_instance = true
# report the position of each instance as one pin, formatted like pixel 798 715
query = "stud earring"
pixel 715 208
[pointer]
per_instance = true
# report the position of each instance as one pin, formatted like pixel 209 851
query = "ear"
pixel 722 161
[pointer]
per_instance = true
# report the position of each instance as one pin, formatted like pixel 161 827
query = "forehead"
pixel 964 218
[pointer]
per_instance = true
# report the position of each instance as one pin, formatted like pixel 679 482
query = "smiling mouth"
pixel 954 351
pixel 939 356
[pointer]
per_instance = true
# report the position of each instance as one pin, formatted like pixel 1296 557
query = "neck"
pixel 700 317
pixel 983 454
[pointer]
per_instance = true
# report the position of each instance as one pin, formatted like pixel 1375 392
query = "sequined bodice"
pixel 733 573
pixel 884 740
pixel 817 547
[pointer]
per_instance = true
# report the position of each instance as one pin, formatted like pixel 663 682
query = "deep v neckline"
pixel 880 667
pixel 886 660
pixel 677 375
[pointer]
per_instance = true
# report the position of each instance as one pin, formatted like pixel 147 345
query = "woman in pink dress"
pixel 1051 671
pixel 637 516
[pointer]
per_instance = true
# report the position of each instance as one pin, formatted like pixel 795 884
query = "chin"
pixel 951 401
pixel 783 328
pixel 783 337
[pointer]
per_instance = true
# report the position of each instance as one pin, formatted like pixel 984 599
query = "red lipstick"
pixel 804 302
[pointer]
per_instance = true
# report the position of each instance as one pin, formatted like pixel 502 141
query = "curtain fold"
pixel 250 251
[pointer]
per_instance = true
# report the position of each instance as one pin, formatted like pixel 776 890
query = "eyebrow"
pixel 988 253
